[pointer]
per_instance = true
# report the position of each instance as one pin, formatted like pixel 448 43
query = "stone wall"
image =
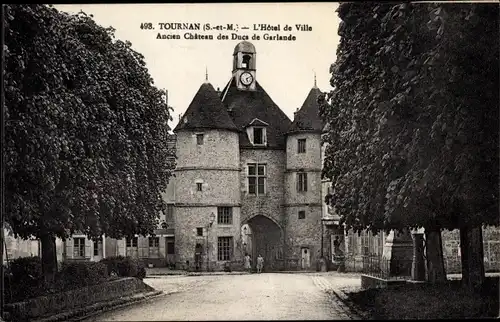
pixel 491 247
pixel 188 219
pixel 219 148
pixel 303 234
pixel 74 299
pixel 215 164
pixel 268 205
pixel 311 159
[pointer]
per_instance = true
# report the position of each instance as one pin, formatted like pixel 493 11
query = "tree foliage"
pixel 413 115
pixel 86 129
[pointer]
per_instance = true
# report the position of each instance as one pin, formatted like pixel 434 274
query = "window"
pixel 225 215
pixel 199 231
pixel 199 186
pixel 170 213
pixel 132 250
pixel 301 181
pixel 154 242
pixel 225 248
pixel 302 214
pixel 79 247
pixel 301 146
pixel 259 135
pixel 154 246
pixel 97 243
pixel 132 242
pixel 199 139
pixel 246 61
pixel 256 178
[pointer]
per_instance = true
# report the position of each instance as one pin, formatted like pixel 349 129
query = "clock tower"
pixel 244 56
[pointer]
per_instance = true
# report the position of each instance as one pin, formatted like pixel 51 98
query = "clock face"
pixel 246 78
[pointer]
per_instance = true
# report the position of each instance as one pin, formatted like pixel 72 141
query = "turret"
pixel 303 198
pixel 207 178
pixel 244 66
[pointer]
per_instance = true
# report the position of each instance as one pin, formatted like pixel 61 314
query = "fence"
pixel 378 267
pixel 454 265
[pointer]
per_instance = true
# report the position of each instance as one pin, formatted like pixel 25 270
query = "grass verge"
pixel 425 301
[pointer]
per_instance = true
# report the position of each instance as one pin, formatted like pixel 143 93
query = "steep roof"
pixel 307 118
pixel 245 106
pixel 206 111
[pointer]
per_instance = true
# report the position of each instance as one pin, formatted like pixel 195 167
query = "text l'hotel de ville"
pixel 177 30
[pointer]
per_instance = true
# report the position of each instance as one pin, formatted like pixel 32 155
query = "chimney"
pixel 295 114
pixel 218 91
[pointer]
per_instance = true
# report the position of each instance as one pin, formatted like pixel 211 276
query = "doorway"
pixel 198 258
pixel 170 246
pixel 97 250
pixel 264 237
pixel 305 258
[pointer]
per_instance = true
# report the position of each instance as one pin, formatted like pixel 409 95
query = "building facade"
pixel 248 179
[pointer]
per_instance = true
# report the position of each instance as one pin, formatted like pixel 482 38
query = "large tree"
pixel 413 114
pixel 85 132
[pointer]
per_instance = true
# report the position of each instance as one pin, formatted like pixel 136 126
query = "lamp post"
pixel 210 223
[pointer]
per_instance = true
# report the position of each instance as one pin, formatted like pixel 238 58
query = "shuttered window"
pixel 301 181
pixel 78 247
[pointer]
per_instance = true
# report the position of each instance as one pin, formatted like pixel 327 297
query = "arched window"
pixel 246 61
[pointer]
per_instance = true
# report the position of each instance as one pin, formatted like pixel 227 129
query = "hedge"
pixel 124 266
pixel 23 278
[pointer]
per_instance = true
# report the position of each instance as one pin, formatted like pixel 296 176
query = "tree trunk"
pixel 49 258
pixel 436 272
pixel 2 272
pixel 472 257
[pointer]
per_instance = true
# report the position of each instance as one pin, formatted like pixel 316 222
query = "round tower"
pixel 207 188
pixel 303 188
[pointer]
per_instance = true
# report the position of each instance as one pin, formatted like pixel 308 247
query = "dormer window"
pixel 257 134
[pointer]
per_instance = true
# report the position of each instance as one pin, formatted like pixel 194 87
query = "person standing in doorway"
pixel 336 245
pixel 248 263
pixel 260 264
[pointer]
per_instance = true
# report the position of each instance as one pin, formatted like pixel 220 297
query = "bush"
pixel 124 266
pixel 23 278
pixel 26 267
pixel 80 274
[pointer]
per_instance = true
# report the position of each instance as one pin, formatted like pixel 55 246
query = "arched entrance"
pixel 261 235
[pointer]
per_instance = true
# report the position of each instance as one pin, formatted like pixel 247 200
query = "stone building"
pixel 248 179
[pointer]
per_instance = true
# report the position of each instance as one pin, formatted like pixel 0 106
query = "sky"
pixel 285 69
